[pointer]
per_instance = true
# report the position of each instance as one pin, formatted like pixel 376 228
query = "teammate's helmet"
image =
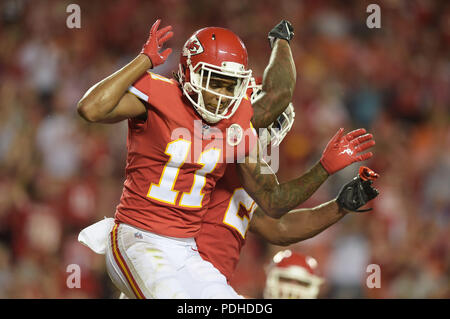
pixel 275 132
pixel 210 52
pixel 292 276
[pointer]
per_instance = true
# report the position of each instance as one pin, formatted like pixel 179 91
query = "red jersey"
pixel 174 159
pixel 226 223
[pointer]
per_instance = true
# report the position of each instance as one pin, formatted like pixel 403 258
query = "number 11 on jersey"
pixel 178 151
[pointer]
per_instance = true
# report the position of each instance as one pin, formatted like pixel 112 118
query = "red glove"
pixel 342 151
pixel 154 43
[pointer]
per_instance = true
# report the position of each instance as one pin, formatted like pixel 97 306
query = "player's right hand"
pixel 154 44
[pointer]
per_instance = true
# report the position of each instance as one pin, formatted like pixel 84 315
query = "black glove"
pixel 357 193
pixel 282 30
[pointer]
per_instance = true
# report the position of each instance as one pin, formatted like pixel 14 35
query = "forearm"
pixel 289 195
pixel 277 199
pixel 101 99
pixel 277 85
pixel 297 225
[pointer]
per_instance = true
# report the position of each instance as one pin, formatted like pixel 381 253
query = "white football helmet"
pixel 275 132
pixel 292 276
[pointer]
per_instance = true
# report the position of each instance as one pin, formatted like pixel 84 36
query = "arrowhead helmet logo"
pixel 193 46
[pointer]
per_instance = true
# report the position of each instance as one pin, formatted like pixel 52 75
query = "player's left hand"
pixel 283 30
pixel 343 150
pixel 154 44
pixel 358 191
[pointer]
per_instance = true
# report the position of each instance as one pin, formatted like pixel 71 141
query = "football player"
pixel 292 275
pixel 182 132
pixel 232 211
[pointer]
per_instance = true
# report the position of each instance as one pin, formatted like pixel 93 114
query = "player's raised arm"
pixel 301 224
pixel 279 78
pixel 277 199
pixel 108 101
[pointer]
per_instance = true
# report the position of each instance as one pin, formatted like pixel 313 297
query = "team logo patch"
pixel 234 134
pixel 194 46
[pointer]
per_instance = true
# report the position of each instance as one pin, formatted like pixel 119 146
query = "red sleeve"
pixel 154 89
pixel 141 88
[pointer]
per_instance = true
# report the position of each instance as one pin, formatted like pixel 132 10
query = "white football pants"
pixel 142 264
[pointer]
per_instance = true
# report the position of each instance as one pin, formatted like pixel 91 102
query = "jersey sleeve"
pixel 141 88
pixel 157 92
pixel 154 89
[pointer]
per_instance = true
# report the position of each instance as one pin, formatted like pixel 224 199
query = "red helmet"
pixel 275 132
pixel 292 276
pixel 213 52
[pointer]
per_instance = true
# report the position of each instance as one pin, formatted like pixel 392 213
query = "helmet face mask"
pixel 283 124
pixel 277 131
pixel 214 53
pixel 292 276
pixel 292 283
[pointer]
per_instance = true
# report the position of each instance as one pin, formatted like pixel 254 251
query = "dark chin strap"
pixel 363 210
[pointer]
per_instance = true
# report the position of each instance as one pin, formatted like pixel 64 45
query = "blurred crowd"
pixel 59 174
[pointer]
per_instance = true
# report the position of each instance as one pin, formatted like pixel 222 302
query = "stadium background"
pixel 58 174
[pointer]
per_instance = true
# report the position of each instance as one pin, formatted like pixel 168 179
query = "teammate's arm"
pixel 107 101
pixel 301 224
pixel 297 225
pixel 277 199
pixel 279 78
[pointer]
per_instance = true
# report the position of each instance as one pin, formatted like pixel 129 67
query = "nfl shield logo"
pixel 234 134
pixel 205 129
